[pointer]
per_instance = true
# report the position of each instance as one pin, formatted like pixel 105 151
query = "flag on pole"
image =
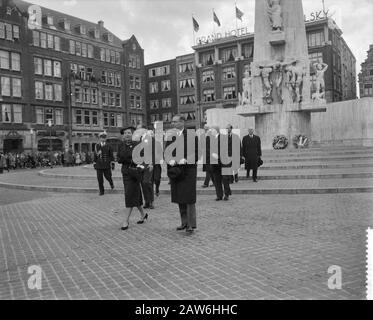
pixel 195 25
pixel 239 13
pixel 216 20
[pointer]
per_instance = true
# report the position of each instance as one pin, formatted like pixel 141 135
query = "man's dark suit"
pixel 184 190
pixel 103 157
pixel 251 150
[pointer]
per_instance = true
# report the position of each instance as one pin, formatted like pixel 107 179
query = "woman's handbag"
pixel 260 162
pixel 175 173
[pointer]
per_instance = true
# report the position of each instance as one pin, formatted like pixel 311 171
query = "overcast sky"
pixel 164 27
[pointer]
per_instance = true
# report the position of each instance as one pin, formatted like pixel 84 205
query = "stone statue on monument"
pixel 265 73
pixel 295 73
pixel 246 97
pixel 278 78
pixel 320 82
pixel 275 14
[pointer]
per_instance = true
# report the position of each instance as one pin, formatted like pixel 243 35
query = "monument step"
pixel 316 158
pixel 243 187
pixel 317 153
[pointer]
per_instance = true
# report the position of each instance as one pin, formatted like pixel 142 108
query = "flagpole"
pixel 235 13
pixel 194 33
pixel 213 22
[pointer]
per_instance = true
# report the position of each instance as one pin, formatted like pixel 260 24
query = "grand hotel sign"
pixel 241 32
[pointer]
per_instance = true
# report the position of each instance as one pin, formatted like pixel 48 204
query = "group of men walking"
pixel 183 174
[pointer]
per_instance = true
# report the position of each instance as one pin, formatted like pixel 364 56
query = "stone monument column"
pixel 280 72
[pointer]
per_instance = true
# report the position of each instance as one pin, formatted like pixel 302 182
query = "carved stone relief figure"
pixel 278 77
pixel 320 82
pixel 275 14
pixel 267 83
pixel 295 73
pixel 247 88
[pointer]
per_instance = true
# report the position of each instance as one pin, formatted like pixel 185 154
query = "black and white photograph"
pixel 184 150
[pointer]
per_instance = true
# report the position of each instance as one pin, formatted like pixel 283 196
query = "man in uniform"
pixel 103 163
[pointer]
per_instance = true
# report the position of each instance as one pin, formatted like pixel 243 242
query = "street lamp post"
pixel 32 140
pixel 50 124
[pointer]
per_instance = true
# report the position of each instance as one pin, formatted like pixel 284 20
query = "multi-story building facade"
pixel 71 81
pixel 214 78
pixel 135 83
pixel 187 89
pixel 366 75
pixel 161 91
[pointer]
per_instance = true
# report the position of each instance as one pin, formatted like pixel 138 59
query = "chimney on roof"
pixel 101 24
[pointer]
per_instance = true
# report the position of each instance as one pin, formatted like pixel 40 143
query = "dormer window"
pixel 82 29
pixel 110 37
pixel 96 33
pixel 50 20
pixel 66 24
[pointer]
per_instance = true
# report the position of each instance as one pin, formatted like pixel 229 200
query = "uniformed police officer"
pixel 103 162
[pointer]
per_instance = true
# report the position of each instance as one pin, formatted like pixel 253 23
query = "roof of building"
pixel 74 21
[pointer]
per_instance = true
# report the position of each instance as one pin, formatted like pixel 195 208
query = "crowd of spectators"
pixel 31 160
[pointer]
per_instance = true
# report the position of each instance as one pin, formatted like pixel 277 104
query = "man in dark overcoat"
pixel 183 187
pixel 102 161
pixel 251 151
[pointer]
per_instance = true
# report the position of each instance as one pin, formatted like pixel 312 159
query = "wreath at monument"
pixel 300 141
pixel 280 142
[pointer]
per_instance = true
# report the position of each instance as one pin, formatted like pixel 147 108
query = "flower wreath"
pixel 300 141
pixel 280 142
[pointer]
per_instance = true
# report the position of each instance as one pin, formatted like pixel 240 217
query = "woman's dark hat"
pixel 133 129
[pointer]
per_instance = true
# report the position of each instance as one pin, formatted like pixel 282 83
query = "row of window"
pixel 8 31
pixel 228 73
pixel 315 39
pixel 11 113
pixel 46 114
pixel 82 72
pixel 228 94
pixel 46 40
pixel 135 82
pixel 187 83
pixel 110 56
pixel 81 49
pixel 90 96
pixel 47 67
pixel 186 67
pixel 165 86
pixel 134 61
pixel 189 99
pixel 166 117
pixel 135 101
pixel 92 118
pixel 166 103
pixel 10 60
pixel 136 119
pixel 159 71
pixel 48 91
pixel 226 54
pixel 11 87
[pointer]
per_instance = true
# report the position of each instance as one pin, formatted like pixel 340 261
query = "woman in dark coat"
pixel 132 187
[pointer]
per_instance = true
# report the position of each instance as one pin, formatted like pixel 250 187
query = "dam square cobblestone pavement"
pixel 252 247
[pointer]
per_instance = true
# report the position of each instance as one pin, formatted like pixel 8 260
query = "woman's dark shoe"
pixel 218 199
pixel 143 220
pixel 124 228
pixel 181 228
